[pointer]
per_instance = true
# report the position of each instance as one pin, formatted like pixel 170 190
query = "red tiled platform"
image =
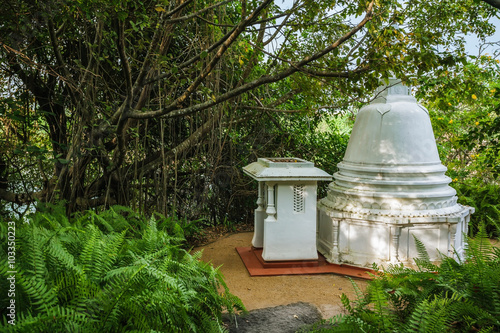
pixel 256 266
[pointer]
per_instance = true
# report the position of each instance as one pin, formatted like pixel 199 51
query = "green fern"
pixel 423 260
pixel 479 248
pixel 361 300
pixel 381 309
pixel 82 278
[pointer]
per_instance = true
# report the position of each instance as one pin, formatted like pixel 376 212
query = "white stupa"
pixel 390 186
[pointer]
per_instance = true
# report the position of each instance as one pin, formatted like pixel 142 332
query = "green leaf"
pixel 122 15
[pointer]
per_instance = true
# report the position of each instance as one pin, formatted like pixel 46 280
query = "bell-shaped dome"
pixel 391 165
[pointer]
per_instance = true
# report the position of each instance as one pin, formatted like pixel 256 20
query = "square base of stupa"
pixel 362 239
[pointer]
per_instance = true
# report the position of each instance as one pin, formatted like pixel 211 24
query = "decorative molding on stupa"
pixel 391 166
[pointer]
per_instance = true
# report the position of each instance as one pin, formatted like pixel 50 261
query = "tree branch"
pixel 494 3
pixel 225 45
pixel 344 74
pixel 267 109
pixel 127 71
pixel 20 199
pixel 187 17
pixel 285 97
pixel 278 29
pixel 274 121
pixel 152 46
pixel 215 24
pixel 252 62
pixel 178 8
pixel 157 158
pixel 193 59
pixel 172 112
pixel 55 47
pixel 92 61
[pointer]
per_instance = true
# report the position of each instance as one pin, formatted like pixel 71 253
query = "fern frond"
pixel 419 317
pixel 423 260
pixel 39 293
pixel 494 222
pixel 110 248
pixel 116 290
pixel 378 297
pixel 59 258
pixel 479 248
pixel 360 299
pixel 56 319
pixel 101 220
pixel 65 286
pixel 421 250
pixel 91 257
pixel 30 244
pixel 80 279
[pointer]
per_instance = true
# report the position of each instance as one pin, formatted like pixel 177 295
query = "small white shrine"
pixel 390 187
pixel 285 218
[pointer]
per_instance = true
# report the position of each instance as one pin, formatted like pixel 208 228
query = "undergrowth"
pixel 485 198
pixel 111 272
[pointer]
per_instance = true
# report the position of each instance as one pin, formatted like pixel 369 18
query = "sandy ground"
pixel 322 290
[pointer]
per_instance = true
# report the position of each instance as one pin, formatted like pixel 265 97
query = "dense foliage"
pixel 465 110
pixel 456 296
pixel 112 272
pixel 157 105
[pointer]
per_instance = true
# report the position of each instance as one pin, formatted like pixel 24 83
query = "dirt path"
pixel 322 290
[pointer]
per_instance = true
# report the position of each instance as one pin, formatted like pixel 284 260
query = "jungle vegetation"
pixel 124 126
pixel 156 105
